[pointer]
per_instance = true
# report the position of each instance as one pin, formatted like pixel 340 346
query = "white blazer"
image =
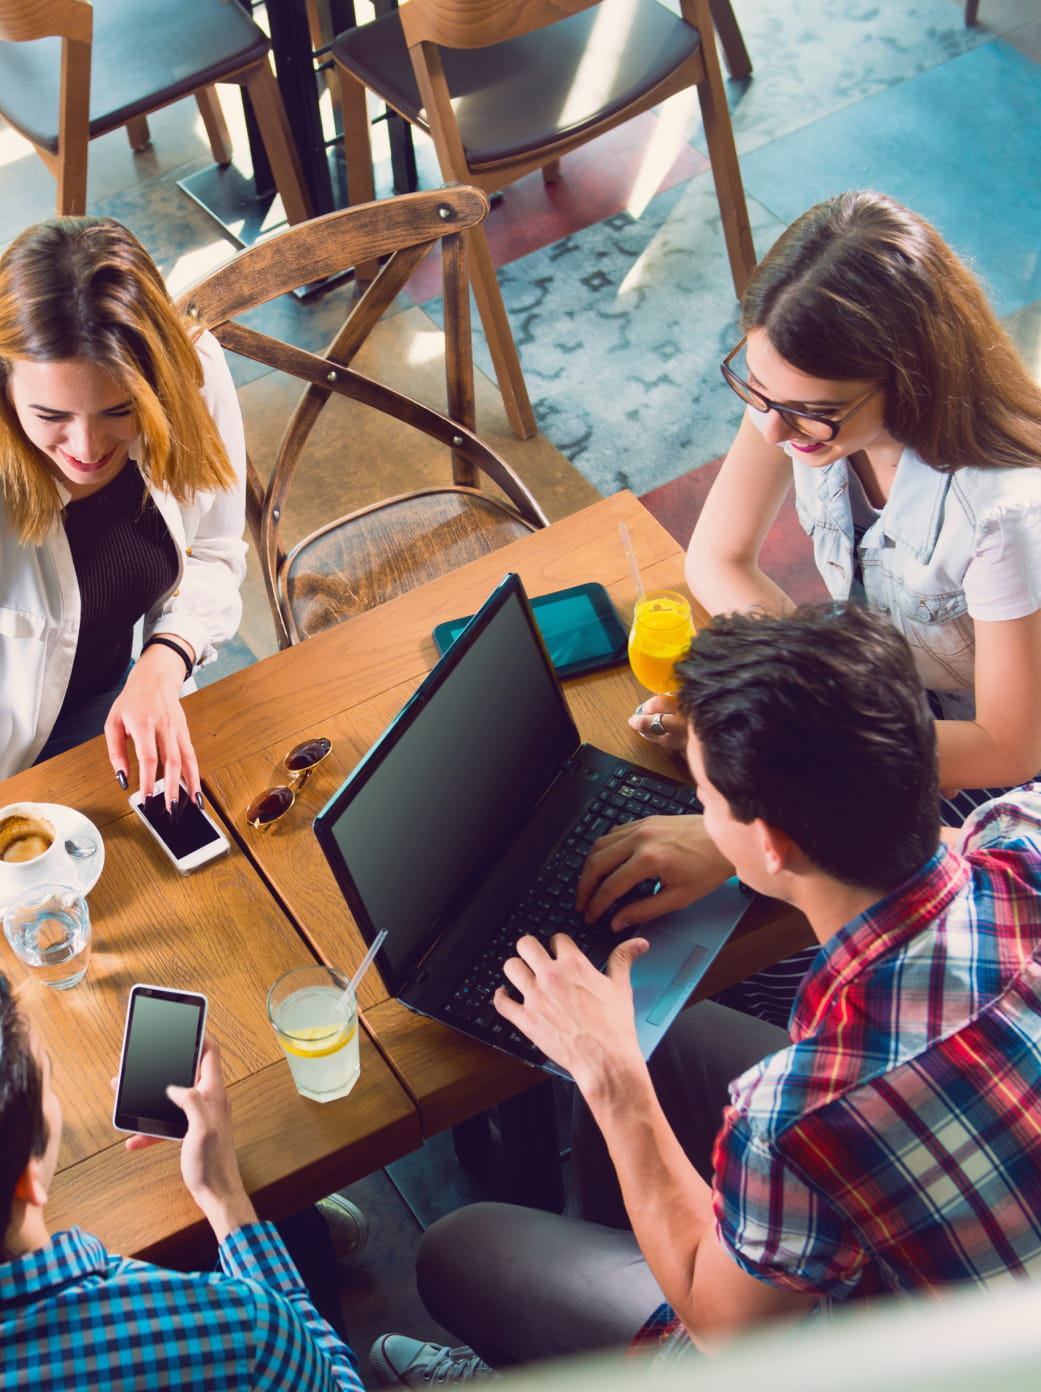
pixel 40 601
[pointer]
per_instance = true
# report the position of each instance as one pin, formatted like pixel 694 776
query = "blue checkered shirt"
pixel 73 1316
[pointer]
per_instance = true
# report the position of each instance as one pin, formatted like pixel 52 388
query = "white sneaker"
pixel 347 1224
pixel 401 1362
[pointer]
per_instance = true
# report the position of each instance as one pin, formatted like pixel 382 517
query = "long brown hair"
pixel 86 288
pixel 860 288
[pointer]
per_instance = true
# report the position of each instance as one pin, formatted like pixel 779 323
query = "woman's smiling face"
pixel 777 379
pixel 77 415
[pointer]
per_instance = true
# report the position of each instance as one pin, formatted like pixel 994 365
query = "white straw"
pixel 363 967
pixel 627 543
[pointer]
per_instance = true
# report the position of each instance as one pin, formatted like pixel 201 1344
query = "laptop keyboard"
pixel 548 905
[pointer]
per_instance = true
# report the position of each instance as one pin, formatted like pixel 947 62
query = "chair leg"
pixel 138 134
pixel 278 141
pixel 500 337
pixel 972 9
pixel 726 172
pixel 732 40
pixel 216 127
pixel 72 184
pixel 357 155
pixel 74 127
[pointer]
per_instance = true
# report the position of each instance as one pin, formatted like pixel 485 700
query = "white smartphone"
pixel 188 836
pixel 162 1043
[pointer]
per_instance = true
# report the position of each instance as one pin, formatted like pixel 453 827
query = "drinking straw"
pixel 627 543
pixel 363 967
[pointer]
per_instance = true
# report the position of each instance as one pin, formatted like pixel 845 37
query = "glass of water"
pixel 48 928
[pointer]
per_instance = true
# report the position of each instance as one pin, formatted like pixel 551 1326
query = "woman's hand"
pixel 659 721
pixel 1001 748
pixel 148 712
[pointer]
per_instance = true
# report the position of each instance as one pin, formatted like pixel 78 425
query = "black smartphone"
pixel 580 626
pixel 188 836
pixel 162 1043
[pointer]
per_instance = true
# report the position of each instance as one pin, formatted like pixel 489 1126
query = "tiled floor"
pixel 617 286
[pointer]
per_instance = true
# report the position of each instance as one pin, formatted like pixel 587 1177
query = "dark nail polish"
pixel 121 779
pixel 199 802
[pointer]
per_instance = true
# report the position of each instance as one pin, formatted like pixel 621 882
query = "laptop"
pixel 466 826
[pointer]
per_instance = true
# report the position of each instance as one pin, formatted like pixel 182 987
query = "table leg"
pixel 241 202
pixel 524 1166
pixel 294 66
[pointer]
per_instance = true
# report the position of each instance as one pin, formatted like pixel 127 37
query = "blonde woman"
pixel 122 467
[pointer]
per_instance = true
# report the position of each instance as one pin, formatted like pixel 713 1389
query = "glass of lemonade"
pixel 659 638
pixel 317 1025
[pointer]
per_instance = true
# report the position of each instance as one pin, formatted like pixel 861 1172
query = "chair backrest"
pixel 404 230
pixel 479 23
pixel 22 20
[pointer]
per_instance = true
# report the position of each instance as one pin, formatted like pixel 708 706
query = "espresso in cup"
pixel 24 836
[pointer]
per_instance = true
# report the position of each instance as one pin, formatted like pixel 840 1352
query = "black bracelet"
pixel 182 653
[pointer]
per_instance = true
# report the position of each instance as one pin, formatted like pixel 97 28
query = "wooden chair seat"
pixel 513 98
pixel 360 561
pixel 145 56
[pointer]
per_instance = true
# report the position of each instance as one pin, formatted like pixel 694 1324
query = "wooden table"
pixel 218 931
pixel 348 683
pixel 230 929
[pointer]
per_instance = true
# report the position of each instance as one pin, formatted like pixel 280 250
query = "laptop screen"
pixel 451 779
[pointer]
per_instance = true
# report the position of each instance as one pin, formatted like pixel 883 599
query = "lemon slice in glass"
pixel 316 1041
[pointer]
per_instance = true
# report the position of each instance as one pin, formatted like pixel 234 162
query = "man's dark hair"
pixel 23 1130
pixel 816 722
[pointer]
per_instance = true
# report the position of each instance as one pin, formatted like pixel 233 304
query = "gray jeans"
pixel 519 1284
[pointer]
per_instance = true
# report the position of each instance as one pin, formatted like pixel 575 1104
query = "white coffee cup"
pixel 31 849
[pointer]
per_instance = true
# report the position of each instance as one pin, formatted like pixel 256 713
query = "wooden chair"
pixel 142 55
pixel 359 560
pixel 507 88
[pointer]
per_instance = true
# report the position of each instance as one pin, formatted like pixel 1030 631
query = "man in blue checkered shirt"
pixel 72 1315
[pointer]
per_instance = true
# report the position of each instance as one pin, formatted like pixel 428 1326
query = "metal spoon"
pixel 81 847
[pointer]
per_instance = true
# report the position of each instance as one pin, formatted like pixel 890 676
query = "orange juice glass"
pixel 659 638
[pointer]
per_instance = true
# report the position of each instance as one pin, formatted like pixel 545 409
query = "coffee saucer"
pixel 81 874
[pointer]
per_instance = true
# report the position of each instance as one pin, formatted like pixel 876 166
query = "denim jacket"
pixel 914 557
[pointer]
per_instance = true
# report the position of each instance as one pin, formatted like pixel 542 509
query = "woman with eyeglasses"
pixel 122 468
pixel 880 386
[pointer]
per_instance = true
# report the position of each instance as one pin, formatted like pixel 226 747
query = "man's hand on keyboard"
pixel 579 1017
pixel 673 851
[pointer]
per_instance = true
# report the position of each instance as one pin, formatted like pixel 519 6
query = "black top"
pixel 125 559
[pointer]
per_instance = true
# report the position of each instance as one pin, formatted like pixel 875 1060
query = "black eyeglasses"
pixel 301 761
pixel 811 424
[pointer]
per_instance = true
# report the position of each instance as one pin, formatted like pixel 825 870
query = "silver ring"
pixel 656 727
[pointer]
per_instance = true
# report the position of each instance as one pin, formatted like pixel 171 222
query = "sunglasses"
pixel 273 803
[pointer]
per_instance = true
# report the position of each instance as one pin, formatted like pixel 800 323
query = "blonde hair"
pixel 86 288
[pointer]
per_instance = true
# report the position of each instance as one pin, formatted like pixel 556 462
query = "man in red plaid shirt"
pixel 890 1141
